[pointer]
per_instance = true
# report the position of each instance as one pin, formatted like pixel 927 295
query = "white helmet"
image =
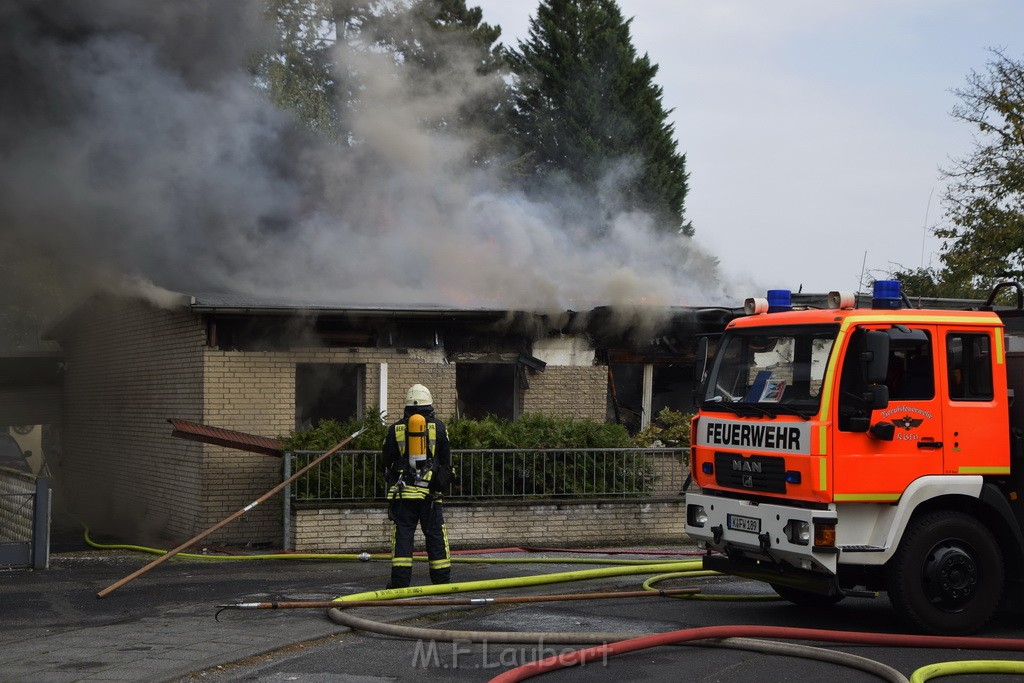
pixel 418 395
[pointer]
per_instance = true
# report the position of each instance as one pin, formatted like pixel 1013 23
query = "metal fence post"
pixel 41 525
pixel 287 543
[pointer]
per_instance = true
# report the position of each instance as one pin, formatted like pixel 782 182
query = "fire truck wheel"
pixel 805 598
pixel 947 576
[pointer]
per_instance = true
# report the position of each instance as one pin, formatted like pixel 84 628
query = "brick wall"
pixel 254 392
pixel 573 524
pixel 420 366
pixel 568 391
pixel 129 367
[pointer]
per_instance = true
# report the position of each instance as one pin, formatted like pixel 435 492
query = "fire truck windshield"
pixel 769 370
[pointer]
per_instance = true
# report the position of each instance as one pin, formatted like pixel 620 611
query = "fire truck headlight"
pixel 696 515
pixel 798 532
pixel 825 535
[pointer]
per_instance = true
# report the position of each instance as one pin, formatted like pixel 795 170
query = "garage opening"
pixel 328 391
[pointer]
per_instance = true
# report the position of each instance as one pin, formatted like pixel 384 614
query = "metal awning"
pixel 226 437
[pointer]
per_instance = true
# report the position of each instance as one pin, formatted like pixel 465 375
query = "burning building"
pixel 265 367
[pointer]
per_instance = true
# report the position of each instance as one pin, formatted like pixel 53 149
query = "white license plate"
pixel 741 523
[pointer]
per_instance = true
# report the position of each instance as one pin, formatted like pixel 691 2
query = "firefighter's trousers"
pixel 406 514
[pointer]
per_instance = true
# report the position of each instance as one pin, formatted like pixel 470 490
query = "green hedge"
pixel 529 432
pixel 353 477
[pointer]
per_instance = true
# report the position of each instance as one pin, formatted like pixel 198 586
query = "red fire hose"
pixel 601 652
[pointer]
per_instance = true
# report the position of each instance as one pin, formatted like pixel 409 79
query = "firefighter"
pixel 417 467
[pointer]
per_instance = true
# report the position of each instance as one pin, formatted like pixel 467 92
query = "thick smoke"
pixel 134 143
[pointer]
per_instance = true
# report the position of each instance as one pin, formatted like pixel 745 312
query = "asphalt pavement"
pixel 164 625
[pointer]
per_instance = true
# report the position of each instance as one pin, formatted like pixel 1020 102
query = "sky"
pixel 136 145
pixel 814 132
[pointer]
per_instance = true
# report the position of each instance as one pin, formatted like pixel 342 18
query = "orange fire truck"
pixel 844 451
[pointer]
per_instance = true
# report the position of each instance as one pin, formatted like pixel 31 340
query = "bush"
pixel 331 432
pixel 670 428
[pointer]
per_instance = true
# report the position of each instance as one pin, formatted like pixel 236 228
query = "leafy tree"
pixel 301 74
pixel 585 103
pixel 934 282
pixel 985 198
pixel 428 39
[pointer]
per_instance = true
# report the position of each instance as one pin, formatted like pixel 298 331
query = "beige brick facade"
pixel 132 365
pixel 568 391
pixel 129 367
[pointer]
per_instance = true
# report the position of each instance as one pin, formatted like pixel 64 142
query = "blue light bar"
pixel 887 294
pixel 779 300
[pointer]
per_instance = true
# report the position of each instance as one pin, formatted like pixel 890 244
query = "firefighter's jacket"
pixel 431 479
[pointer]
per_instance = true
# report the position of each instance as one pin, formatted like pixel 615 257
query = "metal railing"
pixel 503 474
pixel 24 520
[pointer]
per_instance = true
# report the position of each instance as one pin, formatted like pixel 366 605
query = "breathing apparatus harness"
pixel 416 438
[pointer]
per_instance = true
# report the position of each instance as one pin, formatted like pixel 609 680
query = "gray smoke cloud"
pixel 133 142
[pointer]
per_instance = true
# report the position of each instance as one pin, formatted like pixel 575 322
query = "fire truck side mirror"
pixel 875 357
pixel 876 397
pixel 883 431
pixel 700 362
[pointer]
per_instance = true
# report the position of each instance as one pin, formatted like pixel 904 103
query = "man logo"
pixel 746 466
pixel 748 481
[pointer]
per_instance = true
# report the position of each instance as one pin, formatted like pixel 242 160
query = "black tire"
pixel 947 575
pixel 805 598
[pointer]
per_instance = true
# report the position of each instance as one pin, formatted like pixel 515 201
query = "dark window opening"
pixel 673 388
pixel 278 333
pixel 969 358
pixel 626 395
pixel 327 391
pixel 486 389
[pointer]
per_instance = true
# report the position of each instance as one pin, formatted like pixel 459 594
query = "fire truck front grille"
pixel 762 473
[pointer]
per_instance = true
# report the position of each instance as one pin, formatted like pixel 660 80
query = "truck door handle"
pixel 929 444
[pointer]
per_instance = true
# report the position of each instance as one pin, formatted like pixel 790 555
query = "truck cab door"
pixel 869 465
pixel 976 442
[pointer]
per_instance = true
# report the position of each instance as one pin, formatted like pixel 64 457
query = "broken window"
pixel 626 395
pixel 487 389
pixel 637 392
pixel 673 388
pixel 328 391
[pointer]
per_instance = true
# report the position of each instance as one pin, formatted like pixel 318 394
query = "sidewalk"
pixel 161 625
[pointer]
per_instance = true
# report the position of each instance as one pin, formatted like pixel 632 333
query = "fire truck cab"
pixel 847 451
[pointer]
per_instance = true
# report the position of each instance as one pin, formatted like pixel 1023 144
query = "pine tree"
pixel 446 48
pixel 585 103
